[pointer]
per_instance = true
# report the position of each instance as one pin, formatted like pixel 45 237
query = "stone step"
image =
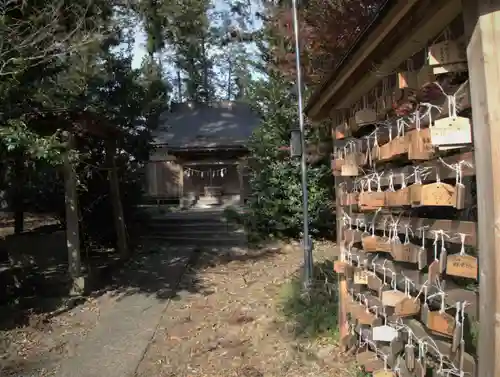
pixel 205 222
pixel 205 218
pixel 198 241
pixel 199 233
pixel 198 230
pixel 192 213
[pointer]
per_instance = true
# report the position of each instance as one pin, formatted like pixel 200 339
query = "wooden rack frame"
pixel 406 28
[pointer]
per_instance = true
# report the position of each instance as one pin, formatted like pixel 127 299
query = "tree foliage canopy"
pixel 63 61
pixel 60 67
pixel 326 30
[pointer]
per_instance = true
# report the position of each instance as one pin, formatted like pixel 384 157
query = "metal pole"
pixel 306 242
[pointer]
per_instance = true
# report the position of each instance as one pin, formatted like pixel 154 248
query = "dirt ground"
pixel 36 349
pixel 245 318
pixel 248 321
pixel 32 343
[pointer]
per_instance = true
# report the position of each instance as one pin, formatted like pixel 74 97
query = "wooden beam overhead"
pixel 443 13
pixel 426 27
pixel 376 36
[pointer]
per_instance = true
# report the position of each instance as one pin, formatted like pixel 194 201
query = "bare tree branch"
pixel 33 35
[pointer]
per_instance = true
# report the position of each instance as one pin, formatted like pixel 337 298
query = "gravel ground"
pixel 234 325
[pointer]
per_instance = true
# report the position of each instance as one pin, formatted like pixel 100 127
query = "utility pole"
pixel 306 240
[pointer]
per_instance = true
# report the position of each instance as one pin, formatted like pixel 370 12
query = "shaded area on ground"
pixel 34 265
pixel 33 273
pixel 43 325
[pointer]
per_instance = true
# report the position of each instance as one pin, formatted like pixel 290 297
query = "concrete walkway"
pixel 117 344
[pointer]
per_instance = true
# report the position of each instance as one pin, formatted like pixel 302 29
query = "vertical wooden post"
pixel 71 201
pixel 116 201
pixel 483 19
pixel 342 281
pixel 181 184
pixel 240 167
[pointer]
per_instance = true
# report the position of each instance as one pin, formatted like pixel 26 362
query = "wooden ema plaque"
pixel 365 116
pixel 371 243
pixel 399 146
pixel 349 198
pixel 352 235
pixel 446 52
pixel 451 132
pixel 360 276
pixel 384 103
pixel 398 198
pixel 450 68
pixel 425 76
pixel 420 369
pixel 408 307
pixel 364 317
pixel 433 194
pixel 384 244
pixel 350 167
pixel 371 200
pixel 420 146
pixel 340 266
pixel 361 159
pixel 382 152
pixel 408 79
pixel 392 297
pixel 375 283
pixel 405 252
pixel 337 164
pixel 352 125
pixel 441 323
pixel 415 193
pixel 462 265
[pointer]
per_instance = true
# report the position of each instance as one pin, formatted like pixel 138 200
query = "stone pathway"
pixel 116 345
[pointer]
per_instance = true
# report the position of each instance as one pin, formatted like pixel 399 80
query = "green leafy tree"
pixel 275 205
pixel 59 66
pixel 183 29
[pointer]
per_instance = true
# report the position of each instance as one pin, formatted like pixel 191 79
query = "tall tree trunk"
pixel 179 86
pixel 229 79
pixel 205 68
pixel 18 199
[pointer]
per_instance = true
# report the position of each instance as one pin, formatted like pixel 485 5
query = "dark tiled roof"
pixel 222 124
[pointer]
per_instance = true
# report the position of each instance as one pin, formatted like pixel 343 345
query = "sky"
pixel 139 49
